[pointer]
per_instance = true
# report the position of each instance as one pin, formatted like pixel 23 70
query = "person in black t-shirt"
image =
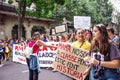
pixel 104 56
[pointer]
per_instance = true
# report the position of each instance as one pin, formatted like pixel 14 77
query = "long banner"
pixel 69 61
pixel 65 59
pixel 46 55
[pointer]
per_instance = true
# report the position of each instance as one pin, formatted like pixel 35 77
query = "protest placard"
pixel 82 22
pixel 69 61
pixel 61 28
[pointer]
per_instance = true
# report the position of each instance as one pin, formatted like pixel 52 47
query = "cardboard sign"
pixel 82 22
pixel 69 61
pixel 53 31
pixel 61 28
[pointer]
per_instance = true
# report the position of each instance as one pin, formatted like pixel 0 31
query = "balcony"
pixel 7 7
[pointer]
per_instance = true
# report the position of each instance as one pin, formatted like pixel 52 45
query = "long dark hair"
pixel 104 44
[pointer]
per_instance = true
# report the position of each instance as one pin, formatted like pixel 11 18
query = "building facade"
pixel 9 23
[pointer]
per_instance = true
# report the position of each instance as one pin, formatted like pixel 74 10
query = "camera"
pixel 98 72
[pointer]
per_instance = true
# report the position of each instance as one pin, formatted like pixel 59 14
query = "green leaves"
pixel 44 8
pixel 10 1
pixel 99 10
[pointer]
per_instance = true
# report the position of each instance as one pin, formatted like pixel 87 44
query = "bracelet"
pixel 99 63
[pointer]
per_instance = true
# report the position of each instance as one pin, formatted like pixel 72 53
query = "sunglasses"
pixel 99 25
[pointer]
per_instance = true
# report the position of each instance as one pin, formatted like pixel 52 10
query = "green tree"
pixel 44 8
pixel 21 15
pixel 99 10
pixel 10 1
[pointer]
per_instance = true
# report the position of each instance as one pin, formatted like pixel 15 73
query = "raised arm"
pixel 40 42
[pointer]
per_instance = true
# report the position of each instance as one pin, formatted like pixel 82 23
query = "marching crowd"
pixel 102 43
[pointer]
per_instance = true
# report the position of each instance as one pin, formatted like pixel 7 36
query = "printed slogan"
pixel 46 55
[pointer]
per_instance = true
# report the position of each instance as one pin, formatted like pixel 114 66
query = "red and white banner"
pixel 46 55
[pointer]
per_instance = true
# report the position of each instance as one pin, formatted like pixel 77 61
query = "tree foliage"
pixel 21 13
pixel 44 8
pixel 10 1
pixel 99 10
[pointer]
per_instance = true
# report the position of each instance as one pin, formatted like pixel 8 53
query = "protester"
pixel 113 36
pixel 45 39
pixel 6 50
pixel 35 43
pixel 88 36
pixel 1 53
pixel 81 42
pixel 104 56
pixel 61 38
pixel 51 38
pixel 72 38
pixel 56 38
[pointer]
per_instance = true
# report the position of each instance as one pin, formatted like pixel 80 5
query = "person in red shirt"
pixel 35 43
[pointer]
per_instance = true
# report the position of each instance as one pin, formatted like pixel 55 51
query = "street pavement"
pixel 17 71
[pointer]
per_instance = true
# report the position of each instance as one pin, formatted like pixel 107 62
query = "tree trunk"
pixel 21 17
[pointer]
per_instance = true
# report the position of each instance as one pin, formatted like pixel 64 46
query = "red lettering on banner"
pixel 40 49
pixel 19 48
pixel 68 57
pixel 69 71
pixel 59 67
pixel 81 76
pixel 53 49
pixel 75 73
pixel 45 48
pixel 65 47
pixel 21 59
pixel 16 48
pixel 64 69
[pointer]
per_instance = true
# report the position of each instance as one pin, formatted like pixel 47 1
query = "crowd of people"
pixel 102 43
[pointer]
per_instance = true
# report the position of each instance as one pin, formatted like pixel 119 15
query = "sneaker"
pixel 49 68
pixel 54 70
pixel 1 65
pixel 7 59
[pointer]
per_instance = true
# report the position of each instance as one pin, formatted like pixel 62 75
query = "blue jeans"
pixel 33 74
pixel 108 74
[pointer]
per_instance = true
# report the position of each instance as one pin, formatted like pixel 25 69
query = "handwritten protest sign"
pixel 82 22
pixel 61 28
pixel 69 61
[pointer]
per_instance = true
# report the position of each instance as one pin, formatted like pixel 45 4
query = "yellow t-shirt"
pixel 86 45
